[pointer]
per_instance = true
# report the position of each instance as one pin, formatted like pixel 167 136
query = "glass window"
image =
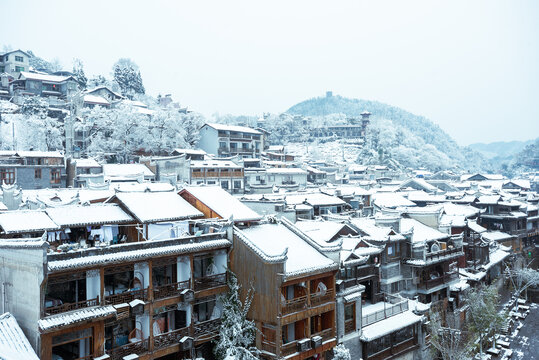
pixel 7 176
pixel 19 58
pixel 37 173
pixel 349 312
pixel 19 68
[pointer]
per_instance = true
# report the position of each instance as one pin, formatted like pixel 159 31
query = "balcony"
pixel 127 296
pixel 169 290
pixel 443 254
pixel 289 348
pixel 326 334
pixel 208 282
pixel 383 310
pixel 294 305
pixel 432 283
pixel 139 348
pixel 212 173
pixel 71 306
pixel 207 329
pixel 237 173
pixel 170 338
pixel 320 298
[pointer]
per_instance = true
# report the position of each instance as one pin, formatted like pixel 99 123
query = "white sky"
pixel 470 66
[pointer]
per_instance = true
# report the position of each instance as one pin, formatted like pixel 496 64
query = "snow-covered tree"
pixel 340 352
pixel 191 123
pixel 522 279
pixel 447 340
pixel 483 315
pixel 237 334
pixel 78 72
pixel 127 75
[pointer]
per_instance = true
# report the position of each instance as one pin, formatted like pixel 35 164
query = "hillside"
pixel 501 149
pixel 411 140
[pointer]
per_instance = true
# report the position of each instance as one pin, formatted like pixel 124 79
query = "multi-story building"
pixel 31 84
pixel 14 62
pixel 294 290
pixel 33 169
pixel 229 140
pixel 505 216
pixel 135 278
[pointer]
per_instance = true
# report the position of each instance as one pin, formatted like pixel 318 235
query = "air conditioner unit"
pixel 304 345
pixel 186 343
pixel 316 341
pixel 187 295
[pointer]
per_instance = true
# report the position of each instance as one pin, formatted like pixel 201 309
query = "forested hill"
pixel 414 132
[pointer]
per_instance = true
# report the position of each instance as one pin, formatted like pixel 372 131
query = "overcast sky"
pixel 470 66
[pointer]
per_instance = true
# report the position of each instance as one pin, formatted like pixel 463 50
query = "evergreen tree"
pixel 78 71
pixel 340 352
pixel 236 334
pixel 128 77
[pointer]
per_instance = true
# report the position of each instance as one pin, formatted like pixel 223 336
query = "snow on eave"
pixel 24 243
pixel 235 128
pixel 335 246
pixel 13 342
pixel 271 259
pixel 313 270
pixel 76 316
pixel 135 255
pixel 389 325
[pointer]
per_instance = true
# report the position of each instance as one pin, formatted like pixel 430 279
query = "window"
pixel 237 184
pixel 224 185
pixel 7 176
pixel 19 68
pixel 390 250
pixel 37 173
pixel 55 177
pixel 19 58
pixel 349 311
pixel 2 69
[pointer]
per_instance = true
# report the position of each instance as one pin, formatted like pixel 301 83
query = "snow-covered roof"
pixel 149 207
pixel 495 236
pixel 320 231
pixel 95 99
pixel 475 227
pixel 123 256
pixel 391 200
pixel 75 316
pixel 21 221
pixel 31 153
pixel 214 164
pixel 190 151
pixel 43 77
pixel 489 199
pixel 86 163
pixel 458 209
pixel 236 128
pixel 389 325
pixel 82 215
pixel 420 183
pixel 421 233
pixel 287 171
pixel 224 204
pixel 314 199
pixel 422 196
pixel 277 240
pixel 119 170
pixel 374 232
pixel 459 286
pixel 143 187
pixel 13 343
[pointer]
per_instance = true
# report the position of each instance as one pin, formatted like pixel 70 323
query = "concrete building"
pixel 14 62
pixel 229 140
pixel 33 169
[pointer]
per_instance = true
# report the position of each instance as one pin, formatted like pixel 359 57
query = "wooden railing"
pixel 211 281
pixel 289 348
pixel 127 296
pixel 326 334
pixel 237 174
pixel 207 329
pixel 170 338
pixel 168 290
pixel 319 298
pixel 293 305
pixel 269 346
pixel 442 253
pixel 71 306
pixel 139 348
pixel 429 284
pixel 349 326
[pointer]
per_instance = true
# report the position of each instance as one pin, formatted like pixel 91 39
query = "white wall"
pixel 208 140
pixel 184 268
pixel 93 284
